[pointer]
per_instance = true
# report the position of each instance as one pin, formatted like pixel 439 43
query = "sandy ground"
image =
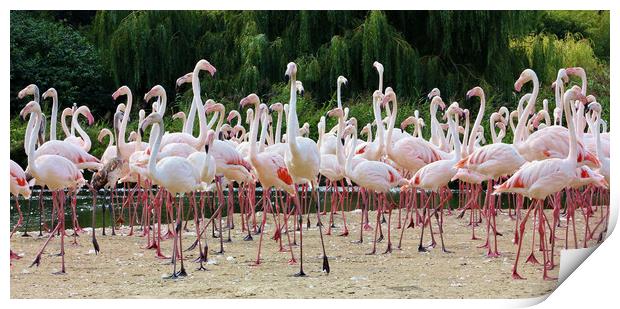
pixel 123 269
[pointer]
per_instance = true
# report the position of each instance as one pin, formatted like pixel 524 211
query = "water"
pixel 30 208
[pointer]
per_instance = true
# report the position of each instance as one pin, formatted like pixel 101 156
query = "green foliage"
pixel 52 54
pixel 451 50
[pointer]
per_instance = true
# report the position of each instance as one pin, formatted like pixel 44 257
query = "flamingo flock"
pixel 547 166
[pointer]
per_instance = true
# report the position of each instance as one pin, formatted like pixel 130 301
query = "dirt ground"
pixel 123 269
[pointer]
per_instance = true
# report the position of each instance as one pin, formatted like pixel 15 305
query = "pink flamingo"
pixel 302 159
pixel 435 177
pixel 539 179
pixel 19 186
pixel 57 173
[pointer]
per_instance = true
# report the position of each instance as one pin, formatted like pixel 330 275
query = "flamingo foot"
pixel 345 233
pixel 367 227
pixel 432 244
pixel 388 249
pixel 532 259
pixel 248 237
pixel 380 238
pixel 301 273
pixel 292 261
pixel 60 272
pixel 422 249
pixel 493 254
pixel 159 255
pixel 15 256
pixel 201 268
pixel 516 276
pixel 411 224
pixel 182 272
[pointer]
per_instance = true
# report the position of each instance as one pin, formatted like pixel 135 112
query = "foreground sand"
pixel 124 270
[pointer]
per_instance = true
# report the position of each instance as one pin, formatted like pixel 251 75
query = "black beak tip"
pixel 141 132
pixel 286 78
pixel 342 140
pixel 302 93
pixel 207 148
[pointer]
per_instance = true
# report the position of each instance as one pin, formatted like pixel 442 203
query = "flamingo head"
pixel 291 71
pixel 31 107
pixel 353 122
pixel 187 78
pixel 300 87
pixel 133 136
pixel 86 112
pixel 233 113
pixel 342 80
pixel 525 77
pixel 117 119
pixel 210 139
pixel 123 90
pixel 216 107
pixel 377 96
pixel 152 118
pixel 408 121
pixel 438 102
pixel 562 75
pixel 500 125
pixel 29 90
pixel 305 129
pixel 475 92
pixel 336 112
pixel 103 133
pixel 204 65
pixel 49 93
pixel 577 71
pixel 156 91
pixel 434 93
pixel 179 115
pixel 276 107
pixel 377 65
pixel 389 96
pixel 252 98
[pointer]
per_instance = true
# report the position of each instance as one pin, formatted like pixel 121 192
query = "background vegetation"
pixel 87 55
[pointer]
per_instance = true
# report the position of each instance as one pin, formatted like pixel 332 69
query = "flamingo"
pixel 436 175
pixel 271 170
pixel 549 142
pixel 19 186
pixel 302 159
pixel 539 179
pixel 374 176
pixel 178 176
pixel 57 173
pixel 84 140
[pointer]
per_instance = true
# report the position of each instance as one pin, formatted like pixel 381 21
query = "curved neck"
pixel 254 134
pixel 519 131
pixel 466 136
pixel 292 124
pixel 348 167
pixel 455 138
pixel 392 120
pixel 380 130
pixel 123 129
pixel 63 124
pixel 263 134
pixel 220 121
pixel 493 133
pixel 279 128
pixel 54 117
pixel 202 137
pixel 477 122
pixel 83 135
pixel 36 118
pixel 155 150
pixel 572 137
pixel 188 127
pixel 597 136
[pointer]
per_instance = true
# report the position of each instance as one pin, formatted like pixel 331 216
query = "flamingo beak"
pixel 90 118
